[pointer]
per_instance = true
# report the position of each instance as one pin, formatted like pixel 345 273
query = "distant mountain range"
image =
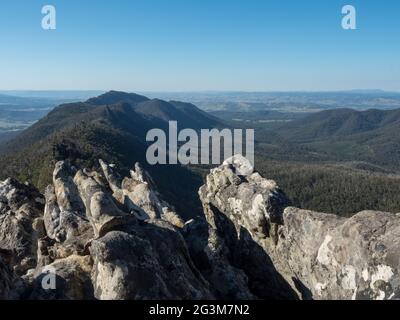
pixel 307 153
pixel 129 112
pixel 289 101
pixel 113 127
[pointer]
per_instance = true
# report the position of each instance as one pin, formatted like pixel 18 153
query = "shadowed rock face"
pixel 101 236
pixel 21 223
pixel 6 281
pixel 243 212
pixel 321 256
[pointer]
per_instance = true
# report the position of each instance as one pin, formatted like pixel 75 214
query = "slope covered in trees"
pixel 340 161
pixel 112 127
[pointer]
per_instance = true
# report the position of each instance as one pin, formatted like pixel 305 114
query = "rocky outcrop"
pixel 336 258
pixel 6 281
pixel 149 261
pixel 21 223
pixel 97 235
pixel 64 279
pixel 243 212
pixel 138 195
pixel 215 260
pixel 321 256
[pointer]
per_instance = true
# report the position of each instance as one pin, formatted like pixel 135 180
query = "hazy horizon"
pixel 43 91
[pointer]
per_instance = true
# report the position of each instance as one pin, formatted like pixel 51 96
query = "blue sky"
pixel 189 45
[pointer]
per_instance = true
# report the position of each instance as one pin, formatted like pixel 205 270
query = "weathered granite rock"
pixel 6 281
pixel 249 200
pixel 65 215
pixel 101 209
pixel 242 209
pixel 320 256
pixel 133 258
pixel 71 228
pixel 64 279
pixel 212 257
pixel 148 261
pixel 139 196
pixel 21 224
pixel 337 258
pixel 107 237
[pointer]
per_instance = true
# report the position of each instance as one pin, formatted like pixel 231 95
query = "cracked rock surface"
pixel 97 235
pixel 320 256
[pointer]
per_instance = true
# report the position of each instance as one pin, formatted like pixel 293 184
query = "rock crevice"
pixel 103 236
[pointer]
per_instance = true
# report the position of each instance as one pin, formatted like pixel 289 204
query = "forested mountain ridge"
pixel 113 127
pixel 340 161
pixel 341 123
pixel 370 136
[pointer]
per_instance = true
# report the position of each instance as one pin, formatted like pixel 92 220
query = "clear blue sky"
pixel 190 45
